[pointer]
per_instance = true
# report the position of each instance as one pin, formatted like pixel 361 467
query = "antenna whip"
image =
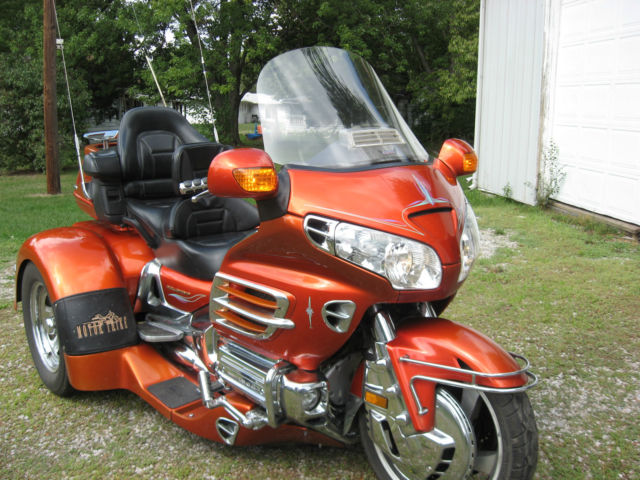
pixel 76 140
pixel 204 72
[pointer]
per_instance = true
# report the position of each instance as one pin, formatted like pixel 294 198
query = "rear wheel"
pixel 496 439
pixel 42 332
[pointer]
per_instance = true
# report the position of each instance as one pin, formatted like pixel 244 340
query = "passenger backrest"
pixel 147 140
pixel 192 161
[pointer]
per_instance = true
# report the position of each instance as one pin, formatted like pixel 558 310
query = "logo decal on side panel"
pixel 101 325
pixel 191 299
pixel 184 296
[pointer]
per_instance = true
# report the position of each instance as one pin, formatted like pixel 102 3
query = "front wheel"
pixel 41 327
pixel 491 436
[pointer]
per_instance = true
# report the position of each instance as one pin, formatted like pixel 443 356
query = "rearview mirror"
pixel 459 157
pixel 243 173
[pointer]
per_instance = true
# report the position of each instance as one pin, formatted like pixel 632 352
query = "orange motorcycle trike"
pixel 310 313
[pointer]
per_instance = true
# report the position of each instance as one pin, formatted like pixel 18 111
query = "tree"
pixel 442 46
pixel 98 47
pixel 237 36
pixel 425 52
pixel 98 66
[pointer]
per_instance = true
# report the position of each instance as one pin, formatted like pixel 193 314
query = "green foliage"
pixel 507 191
pixel 550 177
pixel 238 37
pixel 97 64
pixel 442 38
pixel 424 51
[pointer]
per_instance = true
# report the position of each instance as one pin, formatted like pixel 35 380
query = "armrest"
pixel 103 164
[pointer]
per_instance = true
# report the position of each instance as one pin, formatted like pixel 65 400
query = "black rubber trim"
pixel 277 206
pixel 363 168
pixel 95 322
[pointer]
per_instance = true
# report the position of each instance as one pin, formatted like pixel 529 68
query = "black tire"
pixel 506 440
pixel 42 333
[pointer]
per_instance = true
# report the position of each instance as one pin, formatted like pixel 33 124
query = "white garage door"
pixel 595 107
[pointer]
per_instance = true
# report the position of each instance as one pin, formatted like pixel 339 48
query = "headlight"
pixel 469 243
pixel 407 264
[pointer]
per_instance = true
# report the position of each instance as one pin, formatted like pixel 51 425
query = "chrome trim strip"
pixel 150 272
pixel 268 321
pixel 473 373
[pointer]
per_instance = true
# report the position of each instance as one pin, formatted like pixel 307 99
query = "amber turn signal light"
pixel 256 179
pixel 375 399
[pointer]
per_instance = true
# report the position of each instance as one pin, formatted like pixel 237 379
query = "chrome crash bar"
pixel 472 384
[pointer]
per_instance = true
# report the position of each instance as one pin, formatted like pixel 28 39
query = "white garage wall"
pixel 508 119
pixel 595 106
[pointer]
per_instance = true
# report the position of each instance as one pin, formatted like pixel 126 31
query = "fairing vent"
pixel 248 308
pixel 374 137
pixel 321 232
pixel 337 315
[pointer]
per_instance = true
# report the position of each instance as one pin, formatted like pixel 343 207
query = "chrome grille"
pixel 244 369
pixel 248 308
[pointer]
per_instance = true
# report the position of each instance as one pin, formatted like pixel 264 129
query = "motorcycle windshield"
pixel 326 108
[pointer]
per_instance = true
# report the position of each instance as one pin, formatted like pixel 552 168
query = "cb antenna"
pixel 204 72
pixel 76 140
pixel 146 55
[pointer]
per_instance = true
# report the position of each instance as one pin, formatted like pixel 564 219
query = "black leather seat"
pixel 200 234
pixel 158 149
pixel 147 140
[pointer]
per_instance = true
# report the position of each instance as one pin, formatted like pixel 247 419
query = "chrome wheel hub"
pixel 446 452
pixel 43 325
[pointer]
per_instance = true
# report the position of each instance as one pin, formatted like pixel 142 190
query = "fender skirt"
pixel 431 351
pixel 86 287
pixel 71 260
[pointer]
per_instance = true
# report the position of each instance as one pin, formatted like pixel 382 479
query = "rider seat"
pixel 157 149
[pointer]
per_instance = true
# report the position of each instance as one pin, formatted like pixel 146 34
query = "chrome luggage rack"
pixel 472 384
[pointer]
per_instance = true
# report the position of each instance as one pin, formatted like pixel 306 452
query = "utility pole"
pixel 50 107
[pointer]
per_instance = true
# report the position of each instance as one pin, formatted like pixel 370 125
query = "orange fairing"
pixel 185 293
pixel 443 342
pixel 409 201
pixel 310 278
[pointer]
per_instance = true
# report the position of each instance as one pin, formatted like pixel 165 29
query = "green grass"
pixel 568 297
pixel 25 209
